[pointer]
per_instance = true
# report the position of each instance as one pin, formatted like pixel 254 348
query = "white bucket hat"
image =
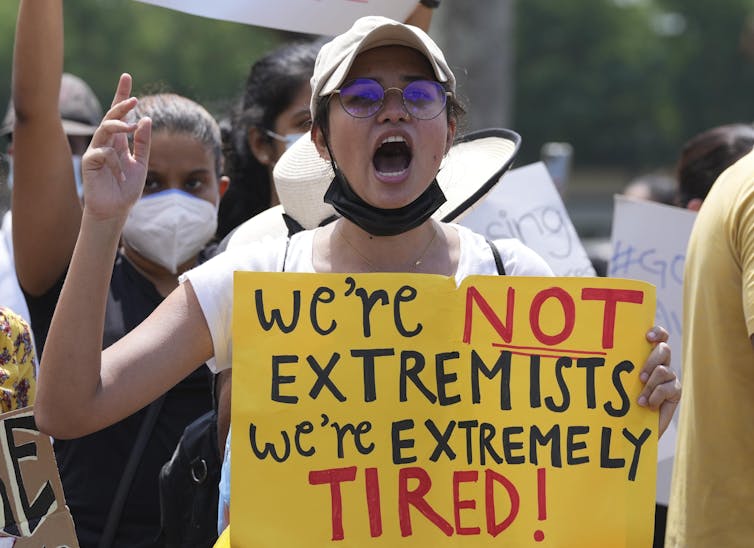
pixel 474 164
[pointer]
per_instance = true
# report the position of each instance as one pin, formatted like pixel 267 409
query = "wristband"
pixel 431 4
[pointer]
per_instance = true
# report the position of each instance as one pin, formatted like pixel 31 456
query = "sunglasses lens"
pixel 424 99
pixel 362 97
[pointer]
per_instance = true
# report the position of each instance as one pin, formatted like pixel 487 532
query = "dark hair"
pixel 273 82
pixel 177 114
pixel 705 156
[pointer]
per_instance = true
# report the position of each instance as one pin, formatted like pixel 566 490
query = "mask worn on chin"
pixel 382 222
pixel 75 159
pixel 170 227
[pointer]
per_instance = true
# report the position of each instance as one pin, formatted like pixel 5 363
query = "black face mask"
pixel 382 222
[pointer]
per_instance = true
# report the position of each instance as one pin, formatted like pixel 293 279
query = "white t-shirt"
pixel 10 292
pixel 213 281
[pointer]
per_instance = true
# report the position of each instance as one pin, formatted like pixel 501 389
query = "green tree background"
pixel 626 82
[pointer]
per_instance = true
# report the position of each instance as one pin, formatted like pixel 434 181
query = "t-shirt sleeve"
pixel 212 283
pixel 520 260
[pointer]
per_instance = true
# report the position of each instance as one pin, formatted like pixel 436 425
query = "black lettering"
pixel 269 447
pixel 412 373
pixel 487 433
pixel 549 401
pixel 356 431
pixel 623 367
pixel 399 444
pixel 469 426
pixel 442 444
pixel 276 317
pixel 606 461
pixel 509 446
pixel 637 443
pixel 304 427
pixel 535 380
pixel 367 303
pixel 590 364
pixel 443 378
pixel 278 379
pixel 368 356
pixel 502 366
pixel 536 437
pixel 323 377
pixel 572 445
pixel 321 295
pixel 405 294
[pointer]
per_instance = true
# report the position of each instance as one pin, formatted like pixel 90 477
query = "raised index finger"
pixel 123 90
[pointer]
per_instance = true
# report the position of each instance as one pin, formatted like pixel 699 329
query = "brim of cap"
pixel 473 166
pixel 388 34
pixel 73 128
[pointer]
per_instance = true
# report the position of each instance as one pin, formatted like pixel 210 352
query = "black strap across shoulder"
pixel 496 255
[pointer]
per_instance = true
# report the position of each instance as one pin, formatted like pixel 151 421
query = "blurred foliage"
pixel 626 82
pixel 164 50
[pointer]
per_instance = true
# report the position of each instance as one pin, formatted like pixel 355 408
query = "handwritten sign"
pixel 649 243
pixel 326 17
pixel 373 408
pixel 33 507
pixel 526 205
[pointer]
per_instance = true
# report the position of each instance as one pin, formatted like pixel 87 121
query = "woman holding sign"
pixel 385 113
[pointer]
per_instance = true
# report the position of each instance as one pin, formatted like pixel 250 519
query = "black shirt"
pixel 91 467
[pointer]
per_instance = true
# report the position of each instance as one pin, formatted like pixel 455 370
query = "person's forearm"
pixel 421 17
pixel 44 201
pixel 69 377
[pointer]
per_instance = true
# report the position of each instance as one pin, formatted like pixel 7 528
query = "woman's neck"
pixel 428 248
pixel 163 280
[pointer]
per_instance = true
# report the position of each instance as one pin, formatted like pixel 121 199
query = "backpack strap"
pixel 496 256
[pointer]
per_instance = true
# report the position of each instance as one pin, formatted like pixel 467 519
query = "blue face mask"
pixel 75 159
pixel 287 139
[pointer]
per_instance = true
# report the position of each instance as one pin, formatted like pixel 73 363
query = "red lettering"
pixel 490 478
pixel 373 501
pixel 504 330
pixel 415 498
pixel 611 298
pixel 458 504
pixel 569 313
pixel 334 476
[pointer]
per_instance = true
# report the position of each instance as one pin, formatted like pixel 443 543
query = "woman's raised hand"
pixel 113 174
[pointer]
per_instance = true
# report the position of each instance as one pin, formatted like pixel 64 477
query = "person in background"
pixel 705 156
pixel 712 489
pixel 166 231
pixel 653 187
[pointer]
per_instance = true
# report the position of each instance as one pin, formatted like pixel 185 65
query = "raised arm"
pixel 421 17
pixel 45 202
pixel 82 389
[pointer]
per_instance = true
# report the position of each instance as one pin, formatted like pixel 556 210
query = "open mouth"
pixel 392 157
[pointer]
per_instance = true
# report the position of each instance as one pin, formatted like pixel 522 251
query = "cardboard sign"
pixel 33 506
pixel 372 409
pixel 327 17
pixel 526 205
pixel 649 243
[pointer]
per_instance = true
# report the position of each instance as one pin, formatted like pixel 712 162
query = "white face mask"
pixel 75 159
pixel 170 227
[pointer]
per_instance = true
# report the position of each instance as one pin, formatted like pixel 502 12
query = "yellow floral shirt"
pixel 18 362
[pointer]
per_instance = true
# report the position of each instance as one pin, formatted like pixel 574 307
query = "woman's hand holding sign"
pixel 662 389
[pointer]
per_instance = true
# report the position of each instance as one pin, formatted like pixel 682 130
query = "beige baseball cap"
pixel 336 57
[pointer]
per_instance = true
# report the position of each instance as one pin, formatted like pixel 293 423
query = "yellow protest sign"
pixel 386 409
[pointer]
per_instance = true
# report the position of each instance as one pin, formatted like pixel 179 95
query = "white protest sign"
pixel 526 205
pixel 649 244
pixel 327 17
